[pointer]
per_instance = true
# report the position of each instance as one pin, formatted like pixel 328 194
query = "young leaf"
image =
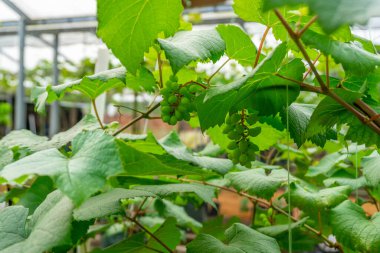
pixel 334 14
pixel 130 36
pixel 353 229
pixel 90 86
pixel 354 59
pixel 95 157
pixel 239 238
pixel 252 11
pixel 50 226
pixel 371 169
pixel 188 46
pixel 12 225
pixel 239 45
pixel 314 201
pixel 173 145
pixel 256 182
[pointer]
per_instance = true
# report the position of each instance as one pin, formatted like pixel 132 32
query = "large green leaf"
pixel 371 169
pixel 94 158
pixel 6 156
pixel 167 209
pixel 315 201
pixel 260 90
pixel 354 230
pixel 168 233
pixel 130 27
pixel 27 140
pixel 326 165
pixel 334 14
pixel 257 182
pixel 299 118
pixel 90 86
pixel 188 46
pixel 329 113
pixel 173 145
pixel 107 203
pixel 252 11
pixel 276 230
pixel 238 238
pixel 353 58
pixel 204 192
pixel 142 81
pixel 239 45
pixel 12 225
pixel 50 226
pixel 36 194
pixel 139 162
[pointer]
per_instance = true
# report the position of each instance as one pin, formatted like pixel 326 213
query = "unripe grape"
pixel 172 99
pixel 233 135
pixel 248 164
pixel 243 158
pixel 236 153
pixel 232 145
pixel 185 101
pixel 178 115
pixel 166 109
pixel 235 118
pixel 193 88
pixel 166 118
pixel 251 119
pixel 239 129
pixel 173 120
pixel 173 78
pixel 243 146
pixel 186 116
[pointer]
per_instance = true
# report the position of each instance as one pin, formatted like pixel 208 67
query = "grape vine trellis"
pixel 64 190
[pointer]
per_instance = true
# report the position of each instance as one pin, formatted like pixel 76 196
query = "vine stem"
pixel 268 205
pixel 96 113
pixel 150 233
pixel 217 71
pixel 132 122
pixel 309 70
pixel 195 82
pixel 325 90
pixel 159 60
pixel 267 29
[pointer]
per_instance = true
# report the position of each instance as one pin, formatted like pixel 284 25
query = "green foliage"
pixel 354 229
pixel 238 238
pixel 188 46
pixel 275 115
pixel 129 37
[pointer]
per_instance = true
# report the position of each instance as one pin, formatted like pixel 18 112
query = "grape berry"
pixel 177 103
pixel 239 130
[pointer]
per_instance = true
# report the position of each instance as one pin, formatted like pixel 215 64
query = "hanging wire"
pixel 290 235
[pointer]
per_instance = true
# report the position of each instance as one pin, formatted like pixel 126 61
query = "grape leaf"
pixel 354 183
pixel 353 58
pixel 239 45
pixel 353 229
pixel 94 158
pixel 257 183
pixel 90 86
pixel 326 165
pixel 12 225
pixel 173 145
pixel 6 156
pixel 143 80
pixel 329 113
pixel 167 209
pixel 204 192
pixel 371 169
pixel 188 46
pixel 239 238
pixel 106 203
pixel 277 230
pixel 138 162
pixel 334 14
pixel 50 226
pixel 314 201
pixel 252 11
pixel 130 36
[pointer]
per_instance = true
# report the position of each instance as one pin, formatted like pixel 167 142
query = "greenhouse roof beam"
pixel 14 7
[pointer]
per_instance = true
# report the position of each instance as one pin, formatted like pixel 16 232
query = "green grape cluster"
pixel 178 101
pixel 239 129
